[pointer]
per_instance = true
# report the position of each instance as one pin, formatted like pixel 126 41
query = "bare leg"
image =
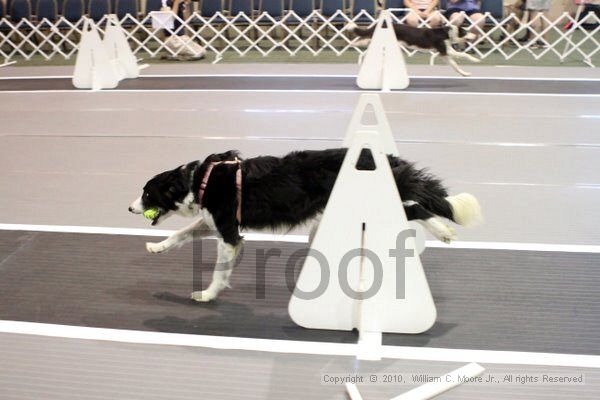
pixel 478 23
pixel 538 24
pixel 182 236
pixel 413 19
pixel 226 257
pixel 457 18
pixel 434 19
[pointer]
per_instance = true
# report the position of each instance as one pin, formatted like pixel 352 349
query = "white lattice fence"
pixel 223 34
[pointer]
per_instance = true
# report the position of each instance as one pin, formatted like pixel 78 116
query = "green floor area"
pixel 521 58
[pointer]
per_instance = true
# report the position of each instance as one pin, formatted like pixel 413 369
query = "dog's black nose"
pixel 130 209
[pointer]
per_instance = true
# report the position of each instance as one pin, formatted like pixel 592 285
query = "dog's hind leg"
pixel 197 229
pixel 415 211
pixel 227 255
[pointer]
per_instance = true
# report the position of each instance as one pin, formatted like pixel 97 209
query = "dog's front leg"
pixel 227 255
pixel 197 229
pixel 454 65
pixel 458 54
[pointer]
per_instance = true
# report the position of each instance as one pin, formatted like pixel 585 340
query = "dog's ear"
pixel 231 155
pixel 177 183
pixel 171 192
pixel 227 156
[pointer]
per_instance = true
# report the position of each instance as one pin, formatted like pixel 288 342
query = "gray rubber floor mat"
pixel 486 299
pixel 323 83
pixel 64 369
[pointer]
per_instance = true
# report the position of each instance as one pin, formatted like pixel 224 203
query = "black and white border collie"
pixel 423 39
pixel 276 193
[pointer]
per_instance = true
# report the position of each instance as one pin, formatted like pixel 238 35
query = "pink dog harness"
pixel 238 184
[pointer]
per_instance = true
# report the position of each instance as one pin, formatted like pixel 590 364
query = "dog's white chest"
pixel 208 219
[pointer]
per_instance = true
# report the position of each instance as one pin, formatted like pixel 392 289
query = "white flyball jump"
pixel 119 52
pixel 102 64
pixel 383 66
pixel 363 270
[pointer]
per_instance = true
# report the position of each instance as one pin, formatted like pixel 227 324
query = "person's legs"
pixel 539 25
pixel 478 20
pixel 435 19
pixel 412 19
pixel 177 40
pixel 455 17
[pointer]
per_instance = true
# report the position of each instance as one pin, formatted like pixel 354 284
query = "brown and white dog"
pixel 423 39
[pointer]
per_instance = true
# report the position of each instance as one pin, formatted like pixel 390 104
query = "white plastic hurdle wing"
pixel 357 273
pixel 383 66
pixel 121 57
pixel 372 103
pixel 93 69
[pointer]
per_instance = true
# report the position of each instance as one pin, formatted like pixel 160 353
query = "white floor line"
pixel 297 347
pixel 271 75
pixel 399 92
pixel 269 237
pixel 8 78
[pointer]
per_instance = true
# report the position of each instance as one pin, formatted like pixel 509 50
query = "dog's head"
pixel 169 192
pixel 174 191
pixel 459 35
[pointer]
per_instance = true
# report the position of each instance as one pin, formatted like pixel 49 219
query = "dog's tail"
pixel 465 209
pixel 360 32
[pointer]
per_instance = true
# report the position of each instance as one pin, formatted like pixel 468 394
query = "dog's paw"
pixel 465 73
pixel 441 231
pixel 203 296
pixel 475 60
pixel 156 247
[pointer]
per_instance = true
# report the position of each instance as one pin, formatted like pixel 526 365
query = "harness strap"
pixel 238 184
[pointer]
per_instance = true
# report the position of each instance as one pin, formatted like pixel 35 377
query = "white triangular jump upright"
pixel 371 104
pixel 383 66
pixel 119 52
pixel 357 274
pixel 93 69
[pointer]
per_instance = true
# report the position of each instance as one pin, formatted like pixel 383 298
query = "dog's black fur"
pixel 421 38
pixel 283 192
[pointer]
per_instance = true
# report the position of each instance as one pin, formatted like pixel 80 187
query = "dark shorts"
pixel 451 11
pixel 176 24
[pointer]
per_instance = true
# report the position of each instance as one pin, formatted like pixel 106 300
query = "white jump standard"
pixel 101 64
pixel 369 284
pixel 383 66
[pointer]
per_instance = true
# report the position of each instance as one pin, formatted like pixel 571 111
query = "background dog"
pixel 423 39
pixel 280 192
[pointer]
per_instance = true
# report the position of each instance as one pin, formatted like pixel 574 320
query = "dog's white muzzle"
pixel 136 207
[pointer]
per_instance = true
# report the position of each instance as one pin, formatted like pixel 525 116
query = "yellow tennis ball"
pixel 151 213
